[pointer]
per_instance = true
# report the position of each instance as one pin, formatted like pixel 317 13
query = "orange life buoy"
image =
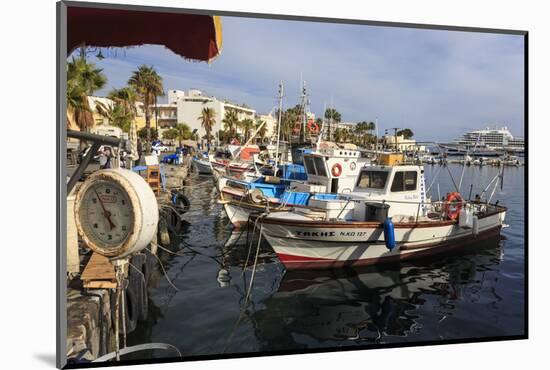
pixel 336 170
pixel 453 205
pixel 313 127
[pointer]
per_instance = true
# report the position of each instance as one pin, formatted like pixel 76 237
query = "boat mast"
pixel 279 124
pixel 304 113
pixel 376 140
pixel 321 132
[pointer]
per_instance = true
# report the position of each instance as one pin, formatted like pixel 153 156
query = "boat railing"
pixel 439 207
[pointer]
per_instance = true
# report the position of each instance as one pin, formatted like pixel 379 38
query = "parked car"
pixel 159 147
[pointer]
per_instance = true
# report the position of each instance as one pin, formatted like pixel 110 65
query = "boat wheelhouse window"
pixel 404 181
pixel 320 166
pixel 372 179
pixel 310 167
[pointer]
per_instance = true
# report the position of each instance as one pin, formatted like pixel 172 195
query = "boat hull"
pixel 240 212
pixel 203 167
pixel 325 245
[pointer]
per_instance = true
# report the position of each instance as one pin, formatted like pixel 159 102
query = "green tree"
pixel 208 120
pixel 289 121
pixel 152 133
pixel 333 116
pixel 263 129
pixel 183 132
pixel 340 135
pixel 83 79
pixel 230 123
pixel 126 97
pixel 116 115
pixel 170 134
pixel 247 125
pixel 407 133
pixel 148 85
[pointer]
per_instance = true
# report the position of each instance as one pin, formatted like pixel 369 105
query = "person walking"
pixel 105 158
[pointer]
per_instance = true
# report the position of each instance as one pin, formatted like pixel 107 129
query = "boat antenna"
pixel 376 139
pixel 322 131
pixel 279 125
pixel 304 111
pixel 395 136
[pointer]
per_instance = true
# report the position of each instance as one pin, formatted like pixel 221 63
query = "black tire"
pixel 144 307
pixel 138 276
pixel 181 202
pixel 132 301
pixel 131 308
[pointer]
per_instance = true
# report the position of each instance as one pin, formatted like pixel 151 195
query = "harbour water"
pixel 475 294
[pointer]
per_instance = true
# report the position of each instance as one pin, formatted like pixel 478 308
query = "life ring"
pixel 453 205
pixel 313 127
pixel 336 170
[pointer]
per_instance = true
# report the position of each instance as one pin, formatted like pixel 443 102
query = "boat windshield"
pixel 372 179
pixel 310 167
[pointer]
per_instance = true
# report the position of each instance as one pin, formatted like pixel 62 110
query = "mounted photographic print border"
pixel 363 276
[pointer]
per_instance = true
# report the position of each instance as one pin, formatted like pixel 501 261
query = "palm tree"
pixel 289 119
pixel 208 121
pixel 126 97
pixel 231 122
pixel 116 115
pixel 262 130
pixel 148 85
pixel 247 125
pixel 339 135
pixel 183 132
pixel 83 79
pixel 170 134
pixel 333 116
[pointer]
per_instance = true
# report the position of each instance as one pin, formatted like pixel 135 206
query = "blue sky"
pixel 438 83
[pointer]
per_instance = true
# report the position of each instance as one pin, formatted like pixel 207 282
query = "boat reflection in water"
pixel 371 305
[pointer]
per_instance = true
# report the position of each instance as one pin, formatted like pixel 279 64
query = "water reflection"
pixel 367 304
pixel 471 295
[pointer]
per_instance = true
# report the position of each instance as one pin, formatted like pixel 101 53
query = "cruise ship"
pixel 487 142
pixel 495 138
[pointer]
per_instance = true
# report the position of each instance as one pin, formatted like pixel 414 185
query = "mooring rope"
pixel 161 265
pixel 254 268
pixel 139 347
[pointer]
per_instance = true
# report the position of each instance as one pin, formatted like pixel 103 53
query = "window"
pixel 404 181
pixel 310 167
pixel 372 179
pixel 320 166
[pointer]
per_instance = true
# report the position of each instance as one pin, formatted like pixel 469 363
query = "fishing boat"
pixel 235 159
pixel 203 165
pixel 386 217
pixel 327 170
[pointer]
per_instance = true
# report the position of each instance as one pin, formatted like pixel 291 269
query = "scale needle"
pixel 105 212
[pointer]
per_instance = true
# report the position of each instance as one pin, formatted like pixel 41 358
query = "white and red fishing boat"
pixel 387 217
pixel 332 170
pixel 234 159
pixel 202 165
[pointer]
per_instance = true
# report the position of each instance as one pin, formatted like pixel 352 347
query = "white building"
pixel 270 124
pixel 189 106
pixel 390 141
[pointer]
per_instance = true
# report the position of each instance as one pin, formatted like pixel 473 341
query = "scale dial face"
pixel 106 214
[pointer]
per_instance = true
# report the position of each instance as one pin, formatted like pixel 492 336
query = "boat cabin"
pixel 330 171
pixel 402 187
